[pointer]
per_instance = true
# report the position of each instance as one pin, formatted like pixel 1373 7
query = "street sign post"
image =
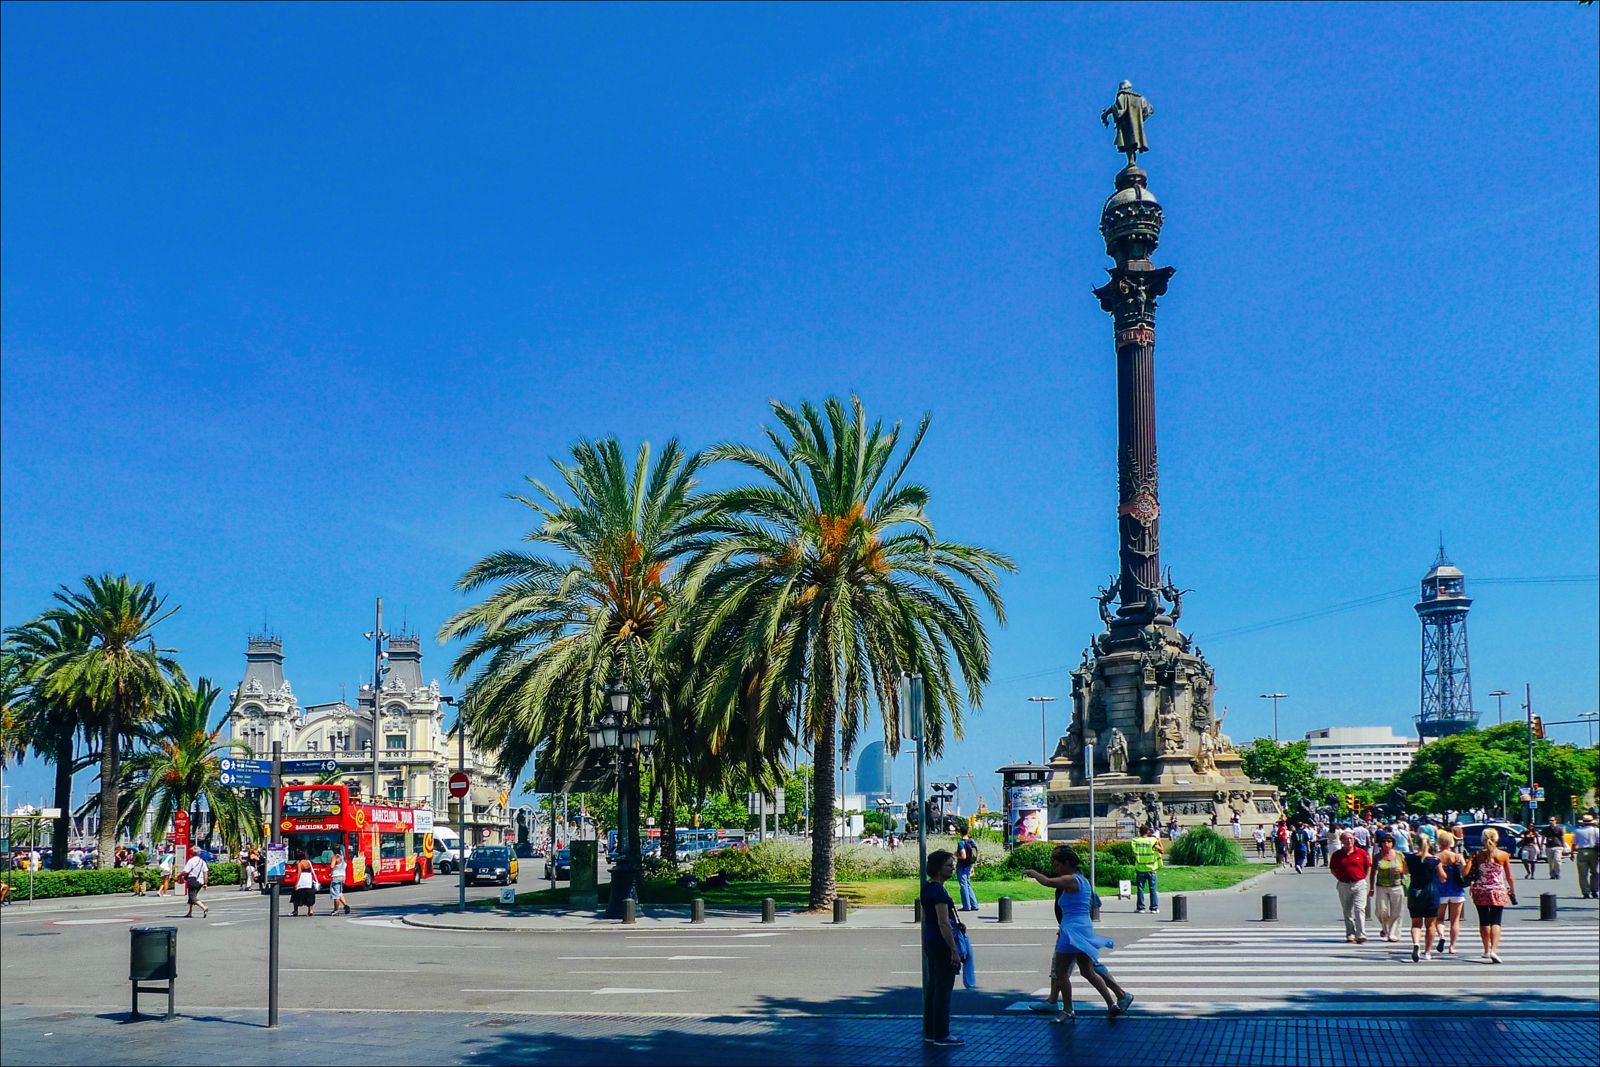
pixel 245 773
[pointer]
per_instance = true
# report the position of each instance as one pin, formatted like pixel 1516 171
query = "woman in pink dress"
pixel 1489 877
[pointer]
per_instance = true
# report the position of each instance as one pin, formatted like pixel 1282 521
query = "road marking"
pixel 89 922
pixel 987 971
pixel 986 945
pixel 350 970
pixel 584 991
pixel 700 933
pixel 615 990
pixel 668 959
pixel 632 971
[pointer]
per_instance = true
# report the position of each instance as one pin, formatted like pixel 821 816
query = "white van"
pixel 445 843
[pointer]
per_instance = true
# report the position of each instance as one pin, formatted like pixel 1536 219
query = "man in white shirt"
pixel 1362 837
pixel 1586 851
pixel 1402 836
pixel 195 874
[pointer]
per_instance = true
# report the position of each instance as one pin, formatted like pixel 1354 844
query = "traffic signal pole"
pixel 1533 790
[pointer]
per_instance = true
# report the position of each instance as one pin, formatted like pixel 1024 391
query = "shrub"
pixel 1107 875
pixel 1204 847
pixel 1035 854
pixel 48 884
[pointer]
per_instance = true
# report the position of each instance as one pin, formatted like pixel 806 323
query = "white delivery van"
pixel 445 843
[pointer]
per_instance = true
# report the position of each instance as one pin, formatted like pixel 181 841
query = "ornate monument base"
pixel 1143 699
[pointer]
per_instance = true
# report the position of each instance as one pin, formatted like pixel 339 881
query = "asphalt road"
pixel 74 956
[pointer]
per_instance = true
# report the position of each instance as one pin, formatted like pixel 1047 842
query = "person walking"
pixel 1386 887
pixel 1147 853
pixel 966 860
pixel 196 872
pixel 1422 897
pixel 305 886
pixel 1076 943
pixel 1528 851
pixel 1489 875
pixel 1301 843
pixel 1238 826
pixel 1586 856
pixel 941 955
pixel 338 870
pixel 1555 845
pixel 1261 842
pixel 1402 837
pixel 1452 892
pixel 1280 843
pixel 1324 838
pixel 1351 864
pixel 167 865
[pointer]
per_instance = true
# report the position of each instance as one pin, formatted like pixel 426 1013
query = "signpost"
pixel 275 885
pixel 309 766
pixel 180 833
pixel 460 786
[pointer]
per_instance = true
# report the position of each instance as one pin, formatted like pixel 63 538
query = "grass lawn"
pixel 795 895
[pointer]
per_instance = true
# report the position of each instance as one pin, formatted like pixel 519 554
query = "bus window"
pixel 392 846
pixel 319 846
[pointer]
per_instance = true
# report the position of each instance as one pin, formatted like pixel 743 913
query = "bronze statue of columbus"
pixel 1129 110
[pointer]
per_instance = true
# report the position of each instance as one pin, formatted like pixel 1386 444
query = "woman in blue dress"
pixel 1077 943
pixel 1422 899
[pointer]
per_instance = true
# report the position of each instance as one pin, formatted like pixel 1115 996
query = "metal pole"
pixel 466 800
pixel 1088 773
pixel 1533 805
pixel 276 886
pixel 377 683
pixel 1044 736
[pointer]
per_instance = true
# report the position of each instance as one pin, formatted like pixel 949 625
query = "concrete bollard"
pixel 1547 907
pixel 841 909
pixel 1180 909
pixel 630 910
pixel 697 910
pixel 1269 908
pixel 769 910
pixel 916 911
pixel 1005 909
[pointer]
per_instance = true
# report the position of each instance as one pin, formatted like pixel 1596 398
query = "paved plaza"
pixel 411 979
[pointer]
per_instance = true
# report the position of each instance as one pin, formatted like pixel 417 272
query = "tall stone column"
pixel 1131 225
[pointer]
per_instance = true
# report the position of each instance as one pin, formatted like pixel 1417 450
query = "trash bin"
pixel 153 957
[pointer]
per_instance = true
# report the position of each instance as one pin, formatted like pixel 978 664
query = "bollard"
pixel 1269 908
pixel 916 911
pixel 630 910
pixel 841 909
pixel 1547 907
pixel 697 910
pixel 1180 909
pixel 1005 909
pixel 769 910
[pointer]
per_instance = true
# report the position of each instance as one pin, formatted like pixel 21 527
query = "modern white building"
pixel 1352 754
pixel 417 755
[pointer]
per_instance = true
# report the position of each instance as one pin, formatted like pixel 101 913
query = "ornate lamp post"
pixel 627 736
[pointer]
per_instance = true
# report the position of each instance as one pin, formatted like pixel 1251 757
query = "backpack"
pixel 972 851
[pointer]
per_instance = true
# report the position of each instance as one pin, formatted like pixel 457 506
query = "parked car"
pixel 1472 834
pixel 492 863
pixel 559 867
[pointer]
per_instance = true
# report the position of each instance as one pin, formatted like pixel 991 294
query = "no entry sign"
pixel 459 784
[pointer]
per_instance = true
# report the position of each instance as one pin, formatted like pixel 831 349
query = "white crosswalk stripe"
pixel 1263 968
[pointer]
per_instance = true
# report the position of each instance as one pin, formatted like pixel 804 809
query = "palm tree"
pixel 827 583
pixel 122 676
pixel 50 724
pixel 182 765
pixel 556 630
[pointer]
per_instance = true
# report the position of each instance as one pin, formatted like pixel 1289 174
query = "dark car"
pixel 1472 835
pixel 491 863
pixel 560 867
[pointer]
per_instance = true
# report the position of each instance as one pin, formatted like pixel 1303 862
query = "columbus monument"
pixel 1143 699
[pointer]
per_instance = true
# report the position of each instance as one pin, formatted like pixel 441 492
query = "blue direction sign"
pixel 248 773
pixel 234 763
pixel 309 766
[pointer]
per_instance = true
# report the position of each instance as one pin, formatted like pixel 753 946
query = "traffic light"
pixel 1538 726
pixel 1352 802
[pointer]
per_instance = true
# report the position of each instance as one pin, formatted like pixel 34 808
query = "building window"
pixel 394 741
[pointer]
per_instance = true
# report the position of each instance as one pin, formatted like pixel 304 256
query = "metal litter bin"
pixel 153 957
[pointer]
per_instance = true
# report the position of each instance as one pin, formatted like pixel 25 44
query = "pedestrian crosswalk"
pixel 1263 967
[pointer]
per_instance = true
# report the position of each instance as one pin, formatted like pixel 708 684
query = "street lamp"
pixel 627 736
pixel 1588 718
pixel 1044 736
pixel 1274 697
pixel 1499 705
pixel 461 806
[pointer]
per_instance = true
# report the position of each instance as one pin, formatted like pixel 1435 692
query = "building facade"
pixel 417 755
pixel 1352 754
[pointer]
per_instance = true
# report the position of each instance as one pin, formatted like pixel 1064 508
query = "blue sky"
pixel 293 295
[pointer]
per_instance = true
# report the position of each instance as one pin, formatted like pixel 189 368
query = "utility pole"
pixel 377 637
pixel 1533 804
pixel 1044 736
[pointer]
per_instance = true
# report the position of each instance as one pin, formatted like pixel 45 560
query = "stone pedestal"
pixel 1144 699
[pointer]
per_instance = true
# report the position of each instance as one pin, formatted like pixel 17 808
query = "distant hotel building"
pixel 417 755
pixel 1352 754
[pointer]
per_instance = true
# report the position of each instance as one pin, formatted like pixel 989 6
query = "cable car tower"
pixel 1446 677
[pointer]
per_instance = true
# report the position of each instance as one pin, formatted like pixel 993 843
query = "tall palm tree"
pixel 53 725
pixel 122 676
pixel 556 629
pixel 827 583
pixel 182 765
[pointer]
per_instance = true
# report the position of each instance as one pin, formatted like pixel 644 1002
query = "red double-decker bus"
pixel 385 842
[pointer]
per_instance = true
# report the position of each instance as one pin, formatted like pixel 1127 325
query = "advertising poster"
pixel 1025 813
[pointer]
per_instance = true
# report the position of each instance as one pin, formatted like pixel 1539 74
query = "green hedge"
pixel 48 884
pixel 1204 847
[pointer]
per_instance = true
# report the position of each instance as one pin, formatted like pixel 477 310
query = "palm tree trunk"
pixel 824 755
pixel 110 772
pixel 669 812
pixel 59 839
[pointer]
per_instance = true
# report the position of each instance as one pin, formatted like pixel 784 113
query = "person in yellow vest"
pixel 1146 861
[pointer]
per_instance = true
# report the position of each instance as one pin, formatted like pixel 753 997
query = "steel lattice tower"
pixel 1446 676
